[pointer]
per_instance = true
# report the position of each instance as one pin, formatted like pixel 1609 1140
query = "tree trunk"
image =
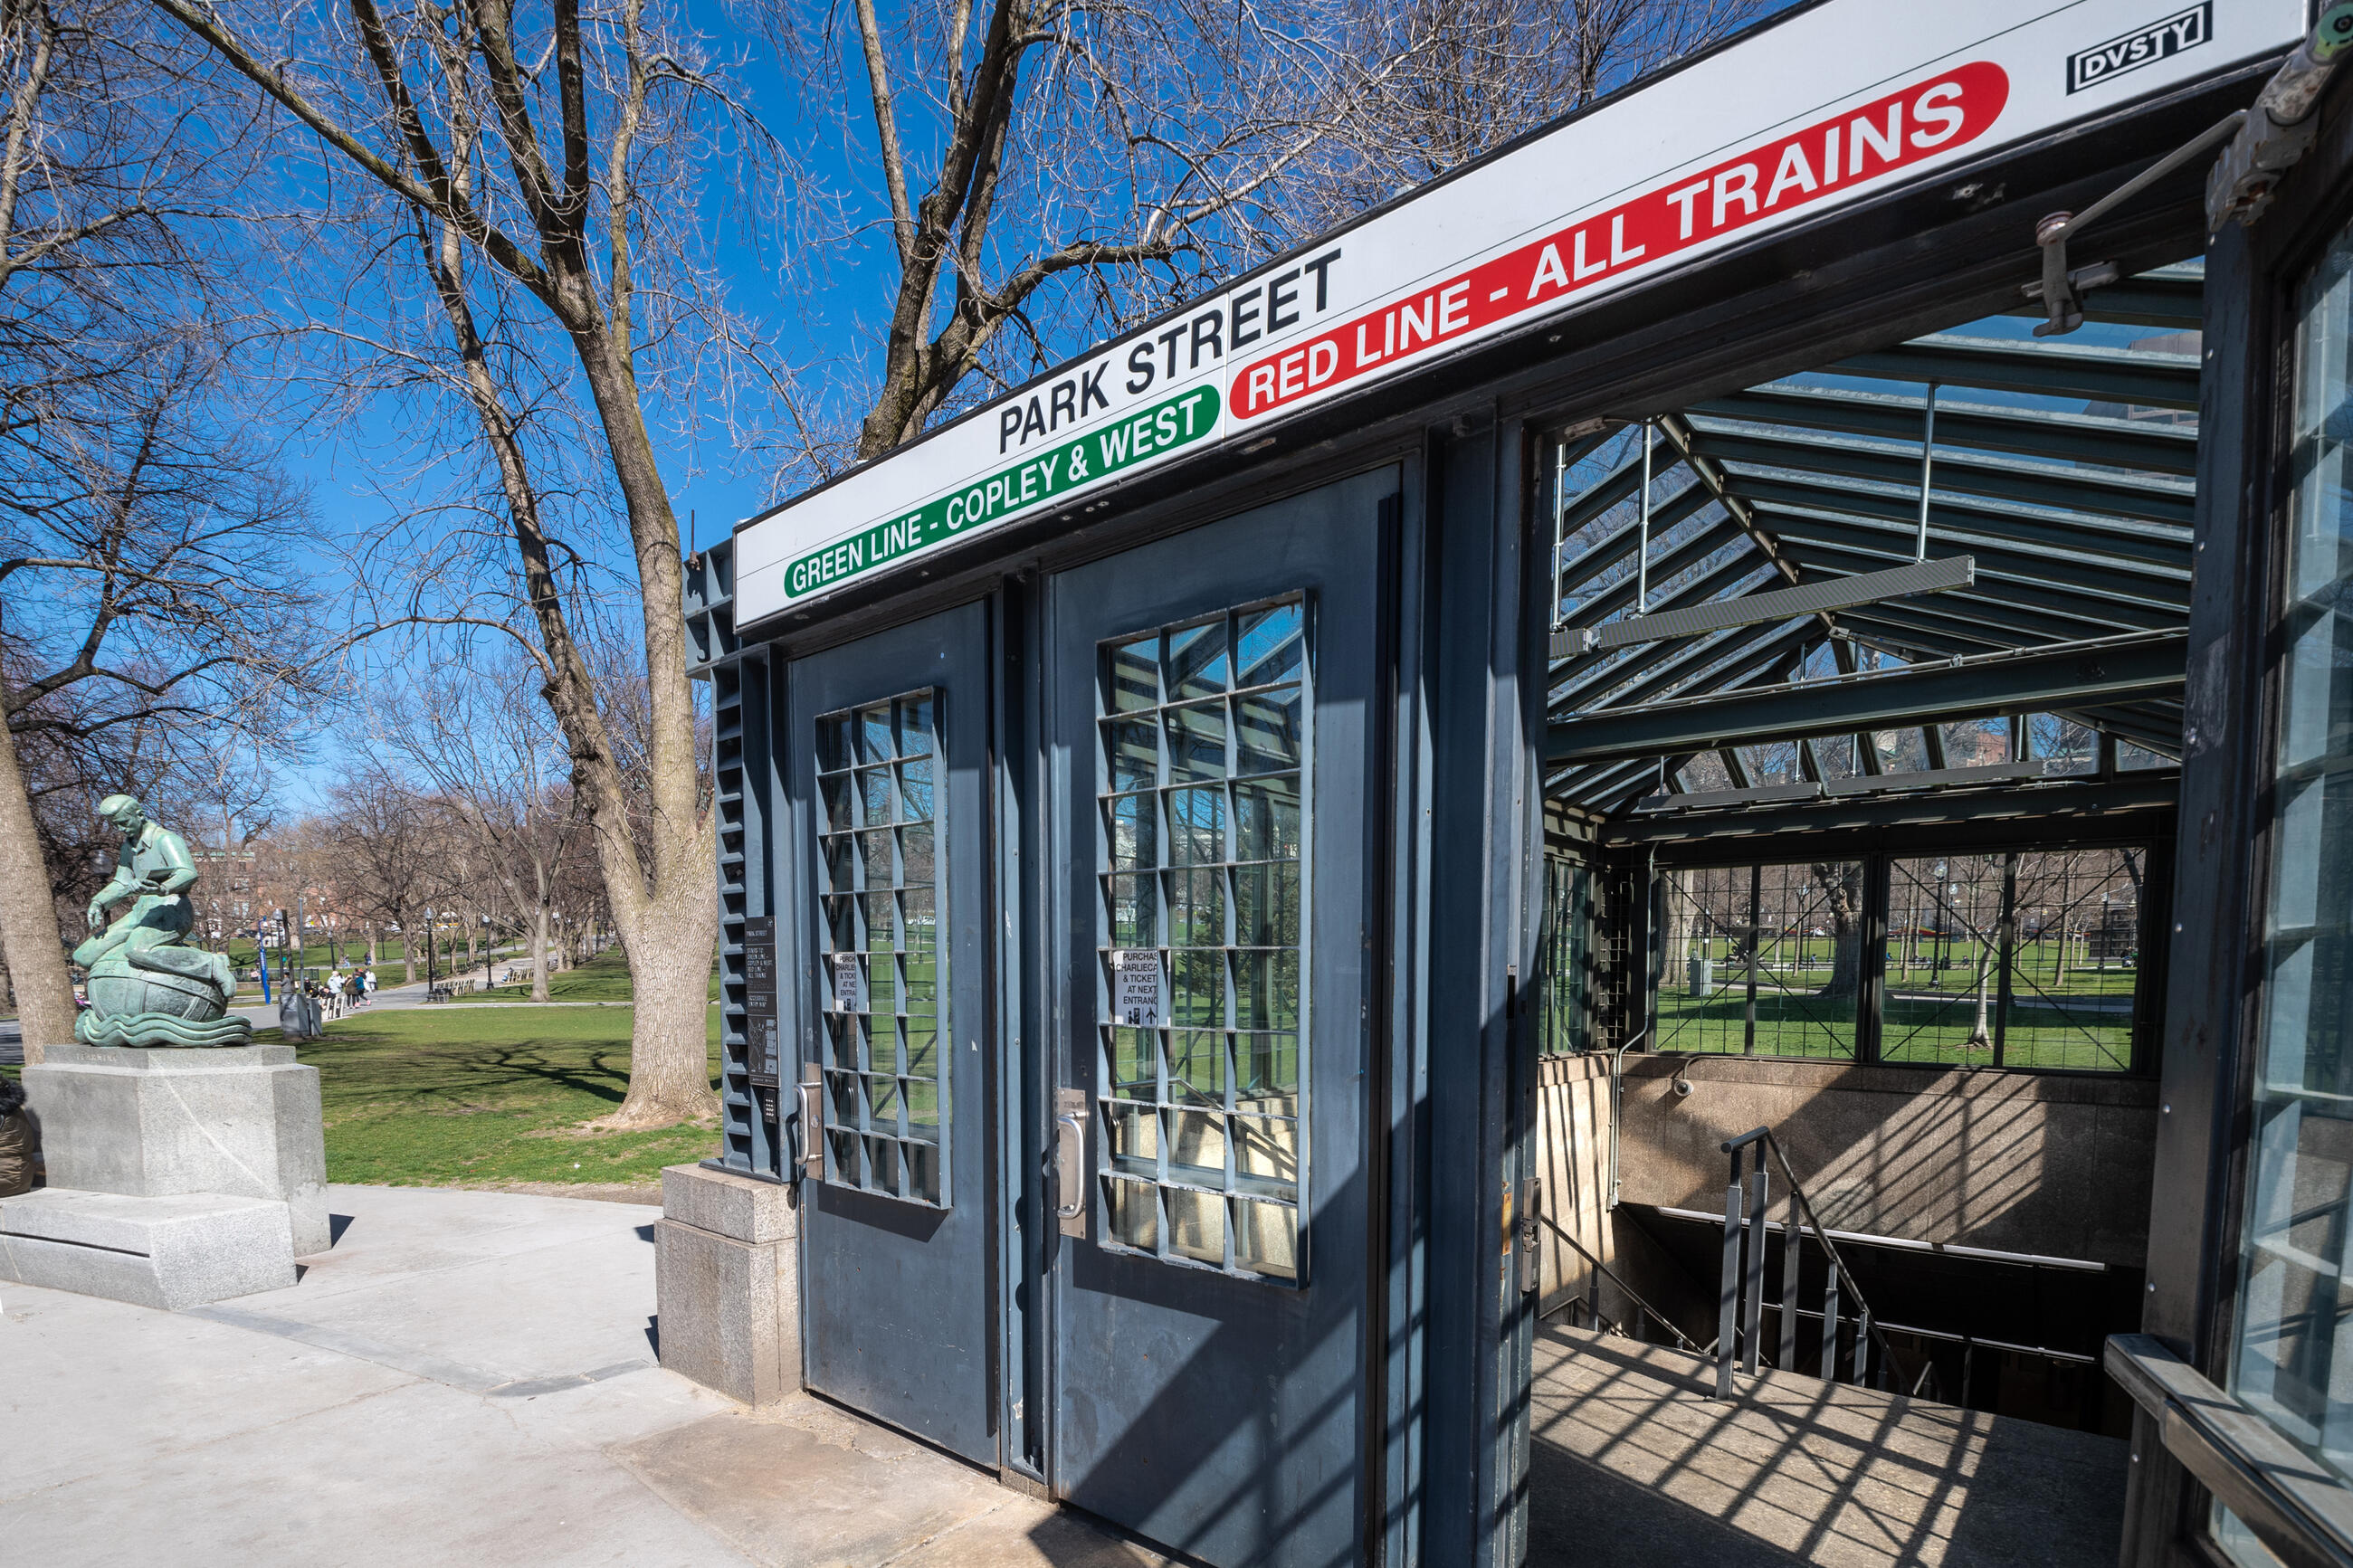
pixel 542 907
pixel 408 946
pixel 670 951
pixel 1981 1032
pixel 28 918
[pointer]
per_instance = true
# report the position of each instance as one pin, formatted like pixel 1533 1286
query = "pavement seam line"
pixel 449 1374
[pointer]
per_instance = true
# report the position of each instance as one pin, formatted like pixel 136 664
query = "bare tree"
pixel 536 164
pixel 1054 169
pixel 489 746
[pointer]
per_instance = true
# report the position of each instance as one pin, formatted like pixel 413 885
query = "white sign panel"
pixel 849 985
pixel 1136 987
pixel 1831 104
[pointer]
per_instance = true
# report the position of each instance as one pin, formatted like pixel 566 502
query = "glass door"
pixel 888 739
pixel 1215 730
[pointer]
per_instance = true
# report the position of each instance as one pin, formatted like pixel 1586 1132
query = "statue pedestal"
pixel 198 1173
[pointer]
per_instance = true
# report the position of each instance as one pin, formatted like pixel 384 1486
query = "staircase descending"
pixel 1774 1445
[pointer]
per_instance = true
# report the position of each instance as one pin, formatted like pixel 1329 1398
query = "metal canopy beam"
pixel 1620 541
pixel 2028 432
pixel 1782 604
pixel 2007 586
pixel 2054 564
pixel 2169 296
pixel 1711 665
pixel 2034 679
pixel 2080 808
pixel 1725 534
pixel 2079 490
pixel 1698 591
pixel 2154 548
pixel 2045 369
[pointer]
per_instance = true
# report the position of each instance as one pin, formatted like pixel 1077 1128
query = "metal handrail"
pixel 1631 1294
pixel 1741 1286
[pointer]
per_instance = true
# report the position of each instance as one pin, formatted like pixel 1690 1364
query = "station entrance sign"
pixel 1829 104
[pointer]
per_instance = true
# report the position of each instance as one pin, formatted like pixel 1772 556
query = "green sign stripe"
pixel 1162 428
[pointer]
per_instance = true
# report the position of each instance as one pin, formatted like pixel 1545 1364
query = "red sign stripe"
pixel 1941 112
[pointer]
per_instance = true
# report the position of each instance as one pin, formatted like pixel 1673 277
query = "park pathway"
pixel 464 1377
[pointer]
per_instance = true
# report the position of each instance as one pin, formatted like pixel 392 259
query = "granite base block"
pixel 238 1122
pixel 182 1250
pixel 729 1304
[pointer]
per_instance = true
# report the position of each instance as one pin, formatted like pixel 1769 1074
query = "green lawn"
pixel 604 978
pixel 474 1097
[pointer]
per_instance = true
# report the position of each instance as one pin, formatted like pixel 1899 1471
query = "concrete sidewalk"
pixel 465 1378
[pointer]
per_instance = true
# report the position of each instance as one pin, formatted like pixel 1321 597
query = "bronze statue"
pixel 147 986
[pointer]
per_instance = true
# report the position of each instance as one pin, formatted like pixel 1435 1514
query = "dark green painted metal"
pixel 2161 552
pixel 2130 581
pixel 2037 680
pixel 2029 432
pixel 2044 368
pixel 2079 490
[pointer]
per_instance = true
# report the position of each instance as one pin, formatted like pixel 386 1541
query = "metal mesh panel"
pixel 1762 960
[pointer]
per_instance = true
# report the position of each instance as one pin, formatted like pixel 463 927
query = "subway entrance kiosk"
pixel 1136 797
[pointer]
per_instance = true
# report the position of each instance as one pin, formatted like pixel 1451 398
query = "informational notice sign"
pixel 761 1039
pixel 849 985
pixel 1136 987
pixel 1827 106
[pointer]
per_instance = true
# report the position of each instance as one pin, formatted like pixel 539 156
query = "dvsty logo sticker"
pixel 2143 47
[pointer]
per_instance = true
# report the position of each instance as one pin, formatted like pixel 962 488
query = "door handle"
pixel 811 1091
pixel 1071 1161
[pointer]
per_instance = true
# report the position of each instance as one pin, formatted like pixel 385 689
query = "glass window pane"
pixel 1197 1148
pixel 1197 823
pixel 1196 988
pixel 1135 822
pixel 1273 644
pixel 1134 906
pixel 1266 819
pixel 1132 1131
pixel 920 1096
pixel 1197 907
pixel 1198 664
pixel 915 791
pixel 1196 1224
pixel 835 748
pixel 874 796
pixel 1132 1211
pixel 1268 1073
pixel 915 725
pixel 875 744
pixel 1231 935
pixel 1134 1072
pixel 1266 1156
pixel 1762 960
pixel 1266 991
pixel 920 1038
pixel 1197 1067
pixel 840 810
pixel 877 853
pixel 915 867
pixel 923 1171
pixel 1197 741
pixel 1266 1239
pixel 1268 731
pixel 1134 676
pixel 1266 905
pixel 882 1165
pixel 1132 753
